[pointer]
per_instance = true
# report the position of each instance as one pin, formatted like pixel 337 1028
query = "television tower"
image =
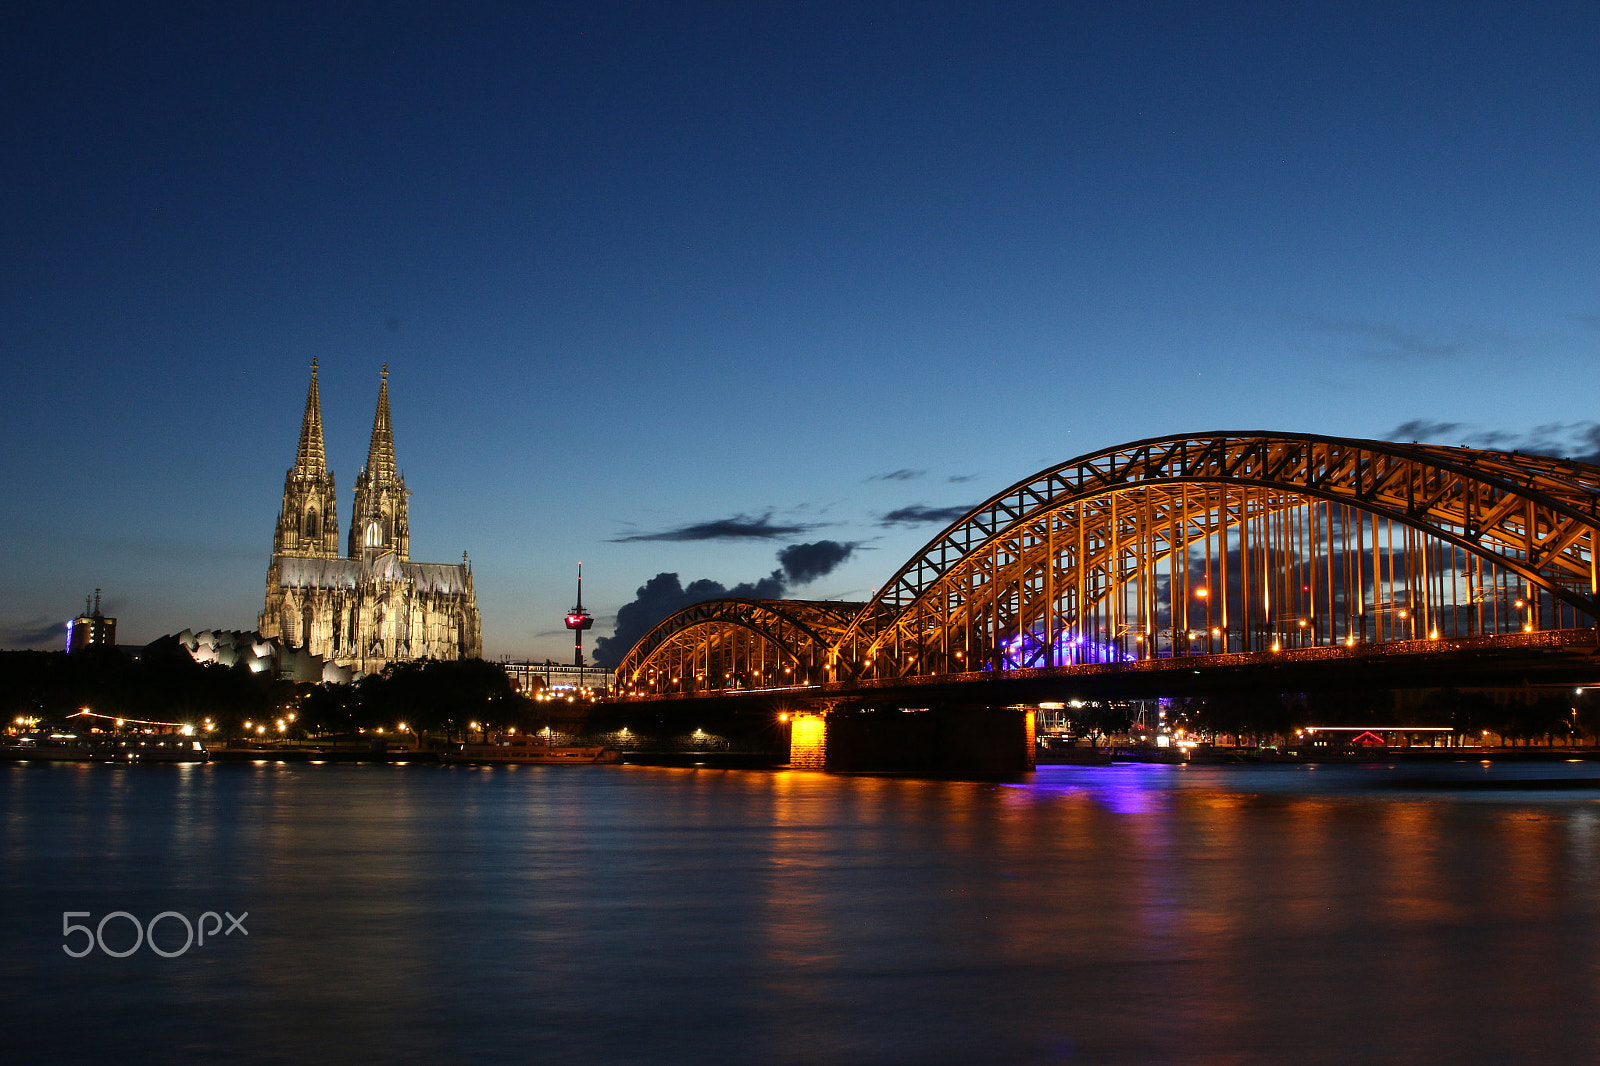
pixel 578 620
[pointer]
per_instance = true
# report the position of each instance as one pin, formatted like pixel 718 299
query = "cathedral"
pixel 373 606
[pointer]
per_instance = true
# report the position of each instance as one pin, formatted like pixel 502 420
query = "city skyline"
pixel 673 292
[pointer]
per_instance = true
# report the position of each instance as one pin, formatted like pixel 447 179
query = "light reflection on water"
pixel 1139 914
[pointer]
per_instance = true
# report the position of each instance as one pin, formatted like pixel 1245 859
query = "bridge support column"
pixel 935 740
pixel 1030 736
pixel 808 742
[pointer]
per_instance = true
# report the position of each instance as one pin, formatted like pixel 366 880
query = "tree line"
pixel 438 697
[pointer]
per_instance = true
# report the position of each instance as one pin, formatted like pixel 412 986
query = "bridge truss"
pixel 737 644
pixel 1187 546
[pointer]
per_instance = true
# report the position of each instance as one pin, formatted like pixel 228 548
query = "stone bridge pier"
pixel 935 740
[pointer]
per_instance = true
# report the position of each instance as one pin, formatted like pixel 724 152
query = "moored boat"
pixel 521 751
pixel 162 747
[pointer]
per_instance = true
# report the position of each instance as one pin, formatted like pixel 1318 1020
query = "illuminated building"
pixel 91 628
pixel 373 606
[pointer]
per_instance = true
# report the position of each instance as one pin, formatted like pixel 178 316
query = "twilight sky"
pixel 672 287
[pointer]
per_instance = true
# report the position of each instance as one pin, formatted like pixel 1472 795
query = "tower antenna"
pixel 578 620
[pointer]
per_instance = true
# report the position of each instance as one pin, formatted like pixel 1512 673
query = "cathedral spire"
pixel 380 455
pixel 311 460
pixel 308 524
pixel 379 521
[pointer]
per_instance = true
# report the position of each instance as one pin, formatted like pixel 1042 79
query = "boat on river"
pixel 521 751
pixel 156 747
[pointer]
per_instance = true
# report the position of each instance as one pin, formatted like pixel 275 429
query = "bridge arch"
pixel 1095 559
pixel 736 643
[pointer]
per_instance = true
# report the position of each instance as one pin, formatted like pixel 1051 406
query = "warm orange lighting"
pixel 1202 593
pixel 808 742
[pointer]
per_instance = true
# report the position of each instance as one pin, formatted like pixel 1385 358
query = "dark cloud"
pixel 1423 431
pixel 1563 440
pixel 665 593
pixel 739 527
pixel 961 479
pixel 37 633
pixel 898 475
pixel 918 515
pixel 652 602
pixel 803 563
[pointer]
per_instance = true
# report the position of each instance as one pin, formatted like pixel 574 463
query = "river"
pixel 1123 914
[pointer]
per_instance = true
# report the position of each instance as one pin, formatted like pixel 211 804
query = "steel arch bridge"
pixel 738 643
pixel 1182 547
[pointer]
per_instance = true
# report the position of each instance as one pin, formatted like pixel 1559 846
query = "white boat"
pixel 150 747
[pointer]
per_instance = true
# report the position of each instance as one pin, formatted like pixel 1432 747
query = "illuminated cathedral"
pixel 372 606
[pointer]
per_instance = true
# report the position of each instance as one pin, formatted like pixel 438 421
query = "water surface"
pixel 1127 914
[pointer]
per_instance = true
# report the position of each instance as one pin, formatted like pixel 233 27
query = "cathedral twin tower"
pixel 374 606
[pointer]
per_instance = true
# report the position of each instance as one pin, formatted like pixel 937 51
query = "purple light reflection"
pixel 1026 651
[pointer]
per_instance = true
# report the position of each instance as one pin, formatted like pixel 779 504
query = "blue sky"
pixel 640 267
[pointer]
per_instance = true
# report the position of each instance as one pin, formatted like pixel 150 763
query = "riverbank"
pixel 308 755
pixel 718 760
pixel 1252 756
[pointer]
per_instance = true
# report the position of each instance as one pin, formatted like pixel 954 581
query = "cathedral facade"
pixel 371 606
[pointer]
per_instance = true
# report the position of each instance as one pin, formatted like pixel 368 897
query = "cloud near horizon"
pixel 919 515
pixel 1560 440
pixel 33 635
pixel 739 527
pixel 799 564
pixel 1381 341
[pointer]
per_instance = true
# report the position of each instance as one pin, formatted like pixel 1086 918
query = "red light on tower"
pixel 578 620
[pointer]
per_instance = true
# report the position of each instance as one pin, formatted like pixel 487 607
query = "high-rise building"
pixel 91 629
pixel 374 606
